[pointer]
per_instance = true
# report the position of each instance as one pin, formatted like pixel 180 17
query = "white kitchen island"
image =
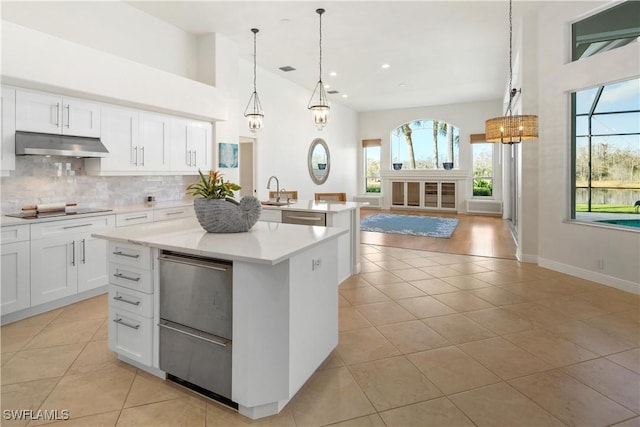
pixel 329 214
pixel 285 301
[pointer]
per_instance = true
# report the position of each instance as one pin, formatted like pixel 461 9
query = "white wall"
pixel 468 117
pixel 283 144
pixel 565 246
pixel 110 26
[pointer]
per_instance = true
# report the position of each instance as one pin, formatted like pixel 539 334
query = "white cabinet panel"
pixel 48 113
pixel 190 145
pixel 8 130
pixel 132 218
pixel 130 335
pixel 65 259
pixel 54 273
pixel 16 281
pixel 129 300
pixel 153 149
pixel 92 265
pixel 173 213
pixel 120 135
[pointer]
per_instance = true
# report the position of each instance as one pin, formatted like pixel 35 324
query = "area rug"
pixel 414 225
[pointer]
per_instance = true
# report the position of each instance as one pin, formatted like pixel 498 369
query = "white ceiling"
pixel 440 52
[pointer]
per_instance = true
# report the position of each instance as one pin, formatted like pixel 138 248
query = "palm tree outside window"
pixel 425 144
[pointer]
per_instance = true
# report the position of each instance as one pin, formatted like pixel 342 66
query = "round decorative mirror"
pixel 319 161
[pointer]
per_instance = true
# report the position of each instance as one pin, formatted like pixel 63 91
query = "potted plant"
pixel 215 207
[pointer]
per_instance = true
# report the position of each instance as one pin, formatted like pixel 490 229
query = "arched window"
pixel 425 144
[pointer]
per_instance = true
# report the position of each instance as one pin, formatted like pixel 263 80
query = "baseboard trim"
pixel 52 305
pixel 603 279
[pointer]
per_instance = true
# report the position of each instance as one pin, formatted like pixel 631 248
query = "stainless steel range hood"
pixel 44 144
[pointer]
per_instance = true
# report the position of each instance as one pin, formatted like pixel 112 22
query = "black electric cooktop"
pixel 69 213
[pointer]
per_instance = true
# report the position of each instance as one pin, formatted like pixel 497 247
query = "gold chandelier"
pixel 511 129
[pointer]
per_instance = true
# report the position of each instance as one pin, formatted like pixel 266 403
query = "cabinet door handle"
pixel 57 114
pixel 142 163
pixel 76 226
pixel 84 252
pixel 118 253
pixel 134 217
pixel 68 108
pixel 119 298
pixel 305 218
pixel 135 161
pixel 122 276
pixel 73 253
pixel 174 213
pixel 195 157
pixel 163 324
pixel 128 325
pixel 188 157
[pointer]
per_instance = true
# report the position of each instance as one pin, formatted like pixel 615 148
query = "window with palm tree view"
pixel 425 144
pixel 606 151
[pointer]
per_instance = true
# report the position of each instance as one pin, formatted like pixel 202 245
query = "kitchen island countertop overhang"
pixel 265 243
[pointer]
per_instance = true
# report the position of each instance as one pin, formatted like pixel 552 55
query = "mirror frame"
pixel 314 144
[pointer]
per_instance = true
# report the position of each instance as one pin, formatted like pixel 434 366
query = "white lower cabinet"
pixel 65 260
pixel 130 335
pixel 15 277
pixel 131 302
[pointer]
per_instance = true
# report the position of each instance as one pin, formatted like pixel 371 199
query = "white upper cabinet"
pixel 47 113
pixel 8 131
pixel 152 151
pixel 190 145
pixel 120 135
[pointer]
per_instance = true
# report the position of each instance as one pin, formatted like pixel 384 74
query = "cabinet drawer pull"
pixel 135 217
pixel 122 276
pixel 57 114
pixel 163 324
pixel 76 226
pixel 174 213
pixel 118 253
pixel 73 252
pixel 123 323
pixel 119 298
pixel 305 218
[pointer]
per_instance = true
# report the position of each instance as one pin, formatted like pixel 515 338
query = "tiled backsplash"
pixel 39 179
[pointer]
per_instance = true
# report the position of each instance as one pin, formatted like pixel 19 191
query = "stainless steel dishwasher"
pixel 196 322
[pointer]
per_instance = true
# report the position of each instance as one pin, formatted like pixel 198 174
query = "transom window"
pixel 425 144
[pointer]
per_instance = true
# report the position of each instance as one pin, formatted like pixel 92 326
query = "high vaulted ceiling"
pixel 439 52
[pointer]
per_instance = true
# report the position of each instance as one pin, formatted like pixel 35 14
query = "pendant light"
pixel 254 112
pixel 319 104
pixel 511 129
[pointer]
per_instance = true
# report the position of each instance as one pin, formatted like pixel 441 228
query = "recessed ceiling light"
pixel 333 74
pixel 344 95
pixel 402 85
pixel 386 66
pixel 327 86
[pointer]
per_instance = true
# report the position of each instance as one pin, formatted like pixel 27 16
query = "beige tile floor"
pixel 426 339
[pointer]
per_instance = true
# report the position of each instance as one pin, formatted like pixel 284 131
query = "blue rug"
pixel 414 225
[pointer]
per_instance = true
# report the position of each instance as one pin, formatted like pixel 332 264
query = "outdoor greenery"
pixel 482 187
pixel 423 140
pixel 582 207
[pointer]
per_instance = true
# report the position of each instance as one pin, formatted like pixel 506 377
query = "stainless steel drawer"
pixel 304 218
pixel 196 292
pixel 194 356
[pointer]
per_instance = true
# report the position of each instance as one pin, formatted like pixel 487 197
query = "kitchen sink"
pixel 274 203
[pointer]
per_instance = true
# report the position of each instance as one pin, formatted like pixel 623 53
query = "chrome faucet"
pixel 277 186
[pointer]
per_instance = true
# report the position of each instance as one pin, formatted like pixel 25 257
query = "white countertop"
pixel 317 206
pixel 142 207
pixel 265 243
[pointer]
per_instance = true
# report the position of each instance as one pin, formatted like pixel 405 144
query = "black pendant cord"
pixel 255 31
pixel 320 12
pixel 510 60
